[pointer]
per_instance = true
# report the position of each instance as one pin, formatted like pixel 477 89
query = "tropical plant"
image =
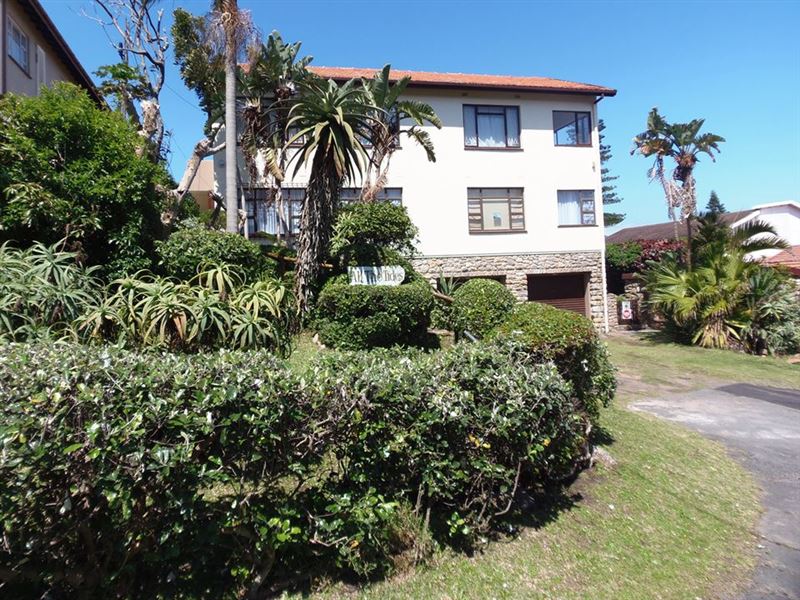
pixel 704 305
pixel 42 290
pixel 327 118
pixel 714 237
pixel 387 128
pixel 683 143
pixel 73 172
pixel 269 86
pixel 773 313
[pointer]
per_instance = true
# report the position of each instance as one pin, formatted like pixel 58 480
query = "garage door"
pixel 566 291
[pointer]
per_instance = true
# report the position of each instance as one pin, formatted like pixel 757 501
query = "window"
pixel 392 195
pixel 572 128
pixel 576 207
pixel 495 210
pixel 18 46
pixel 491 126
pixel 263 215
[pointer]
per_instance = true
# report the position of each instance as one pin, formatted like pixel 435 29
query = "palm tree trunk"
pixel 322 196
pixel 689 242
pixel 231 195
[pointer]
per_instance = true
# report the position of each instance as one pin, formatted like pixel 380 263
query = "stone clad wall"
pixel 516 267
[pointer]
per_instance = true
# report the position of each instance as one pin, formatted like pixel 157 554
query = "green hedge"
pixel 568 339
pixel 142 475
pixel 367 316
pixel 191 249
pixel 479 305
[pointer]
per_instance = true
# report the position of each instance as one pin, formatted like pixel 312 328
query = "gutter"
pixel 3 83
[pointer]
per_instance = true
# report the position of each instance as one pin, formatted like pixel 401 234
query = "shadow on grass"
pixel 601 436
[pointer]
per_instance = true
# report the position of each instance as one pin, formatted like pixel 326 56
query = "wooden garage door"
pixel 567 291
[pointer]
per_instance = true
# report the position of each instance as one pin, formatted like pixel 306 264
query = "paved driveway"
pixel 761 426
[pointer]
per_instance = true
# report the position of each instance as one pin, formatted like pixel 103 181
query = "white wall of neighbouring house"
pixel 436 193
pixel 784 217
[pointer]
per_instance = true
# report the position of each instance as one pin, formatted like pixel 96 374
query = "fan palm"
pixel 385 131
pixel 714 237
pixel 684 143
pixel 327 118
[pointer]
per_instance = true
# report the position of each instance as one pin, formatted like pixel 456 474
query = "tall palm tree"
pixel 327 118
pixel 683 143
pixel 386 129
pixel 237 29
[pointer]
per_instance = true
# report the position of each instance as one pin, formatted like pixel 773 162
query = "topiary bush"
pixel 479 305
pixel 571 342
pixel 368 316
pixel 364 230
pixel 191 249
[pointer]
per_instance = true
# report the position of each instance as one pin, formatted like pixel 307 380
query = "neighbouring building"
pixel 34 52
pixel 783 216
pixel 515 193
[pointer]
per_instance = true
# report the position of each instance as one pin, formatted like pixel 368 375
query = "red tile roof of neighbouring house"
pixel 465 80
pixel 664 231
pixel 789 258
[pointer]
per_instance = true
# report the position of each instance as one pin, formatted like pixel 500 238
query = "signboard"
pixel 626 311
pixel 388 275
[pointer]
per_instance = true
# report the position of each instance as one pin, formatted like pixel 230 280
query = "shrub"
pixel 479 305
pixel 213 310
pixel 442 313
pixel 455 434
pixel 192 249
pixel 366 316
pixel 138 475
pixel 142 475
pixel 571 342
pixel 71 170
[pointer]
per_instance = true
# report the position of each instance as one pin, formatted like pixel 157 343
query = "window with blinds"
pixel 495 210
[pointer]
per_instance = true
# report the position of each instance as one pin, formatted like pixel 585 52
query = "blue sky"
pixel 737 64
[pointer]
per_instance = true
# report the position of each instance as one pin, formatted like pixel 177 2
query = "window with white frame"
pixel 576 207
pixel 491 126
pixel 495 210
pixel 391 195
pixel 18 46
pixel 266 215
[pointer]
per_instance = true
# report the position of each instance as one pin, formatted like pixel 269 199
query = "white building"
pixel 515 193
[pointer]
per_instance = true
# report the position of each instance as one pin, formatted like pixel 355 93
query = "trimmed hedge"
pixel 571 341
pixel 367 316
pixel 479 305
pixel 141 475
pixel 191 249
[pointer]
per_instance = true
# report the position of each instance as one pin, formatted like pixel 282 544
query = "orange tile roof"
pixel 464 80
pixel 788 258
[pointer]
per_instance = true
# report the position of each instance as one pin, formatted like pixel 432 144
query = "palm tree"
pixel 713 237
pixel 269 87
pixel 683 143
pixel 328 118
pixel 386 129
pixel 237 29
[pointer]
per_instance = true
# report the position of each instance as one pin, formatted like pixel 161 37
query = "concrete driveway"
pixel 761 426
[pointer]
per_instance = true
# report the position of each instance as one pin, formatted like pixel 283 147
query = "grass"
pixel 673 518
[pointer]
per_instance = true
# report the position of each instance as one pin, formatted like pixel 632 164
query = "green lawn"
pixel 674 518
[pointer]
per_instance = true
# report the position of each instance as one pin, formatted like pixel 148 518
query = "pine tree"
pixel 714 205
pixel 609 194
